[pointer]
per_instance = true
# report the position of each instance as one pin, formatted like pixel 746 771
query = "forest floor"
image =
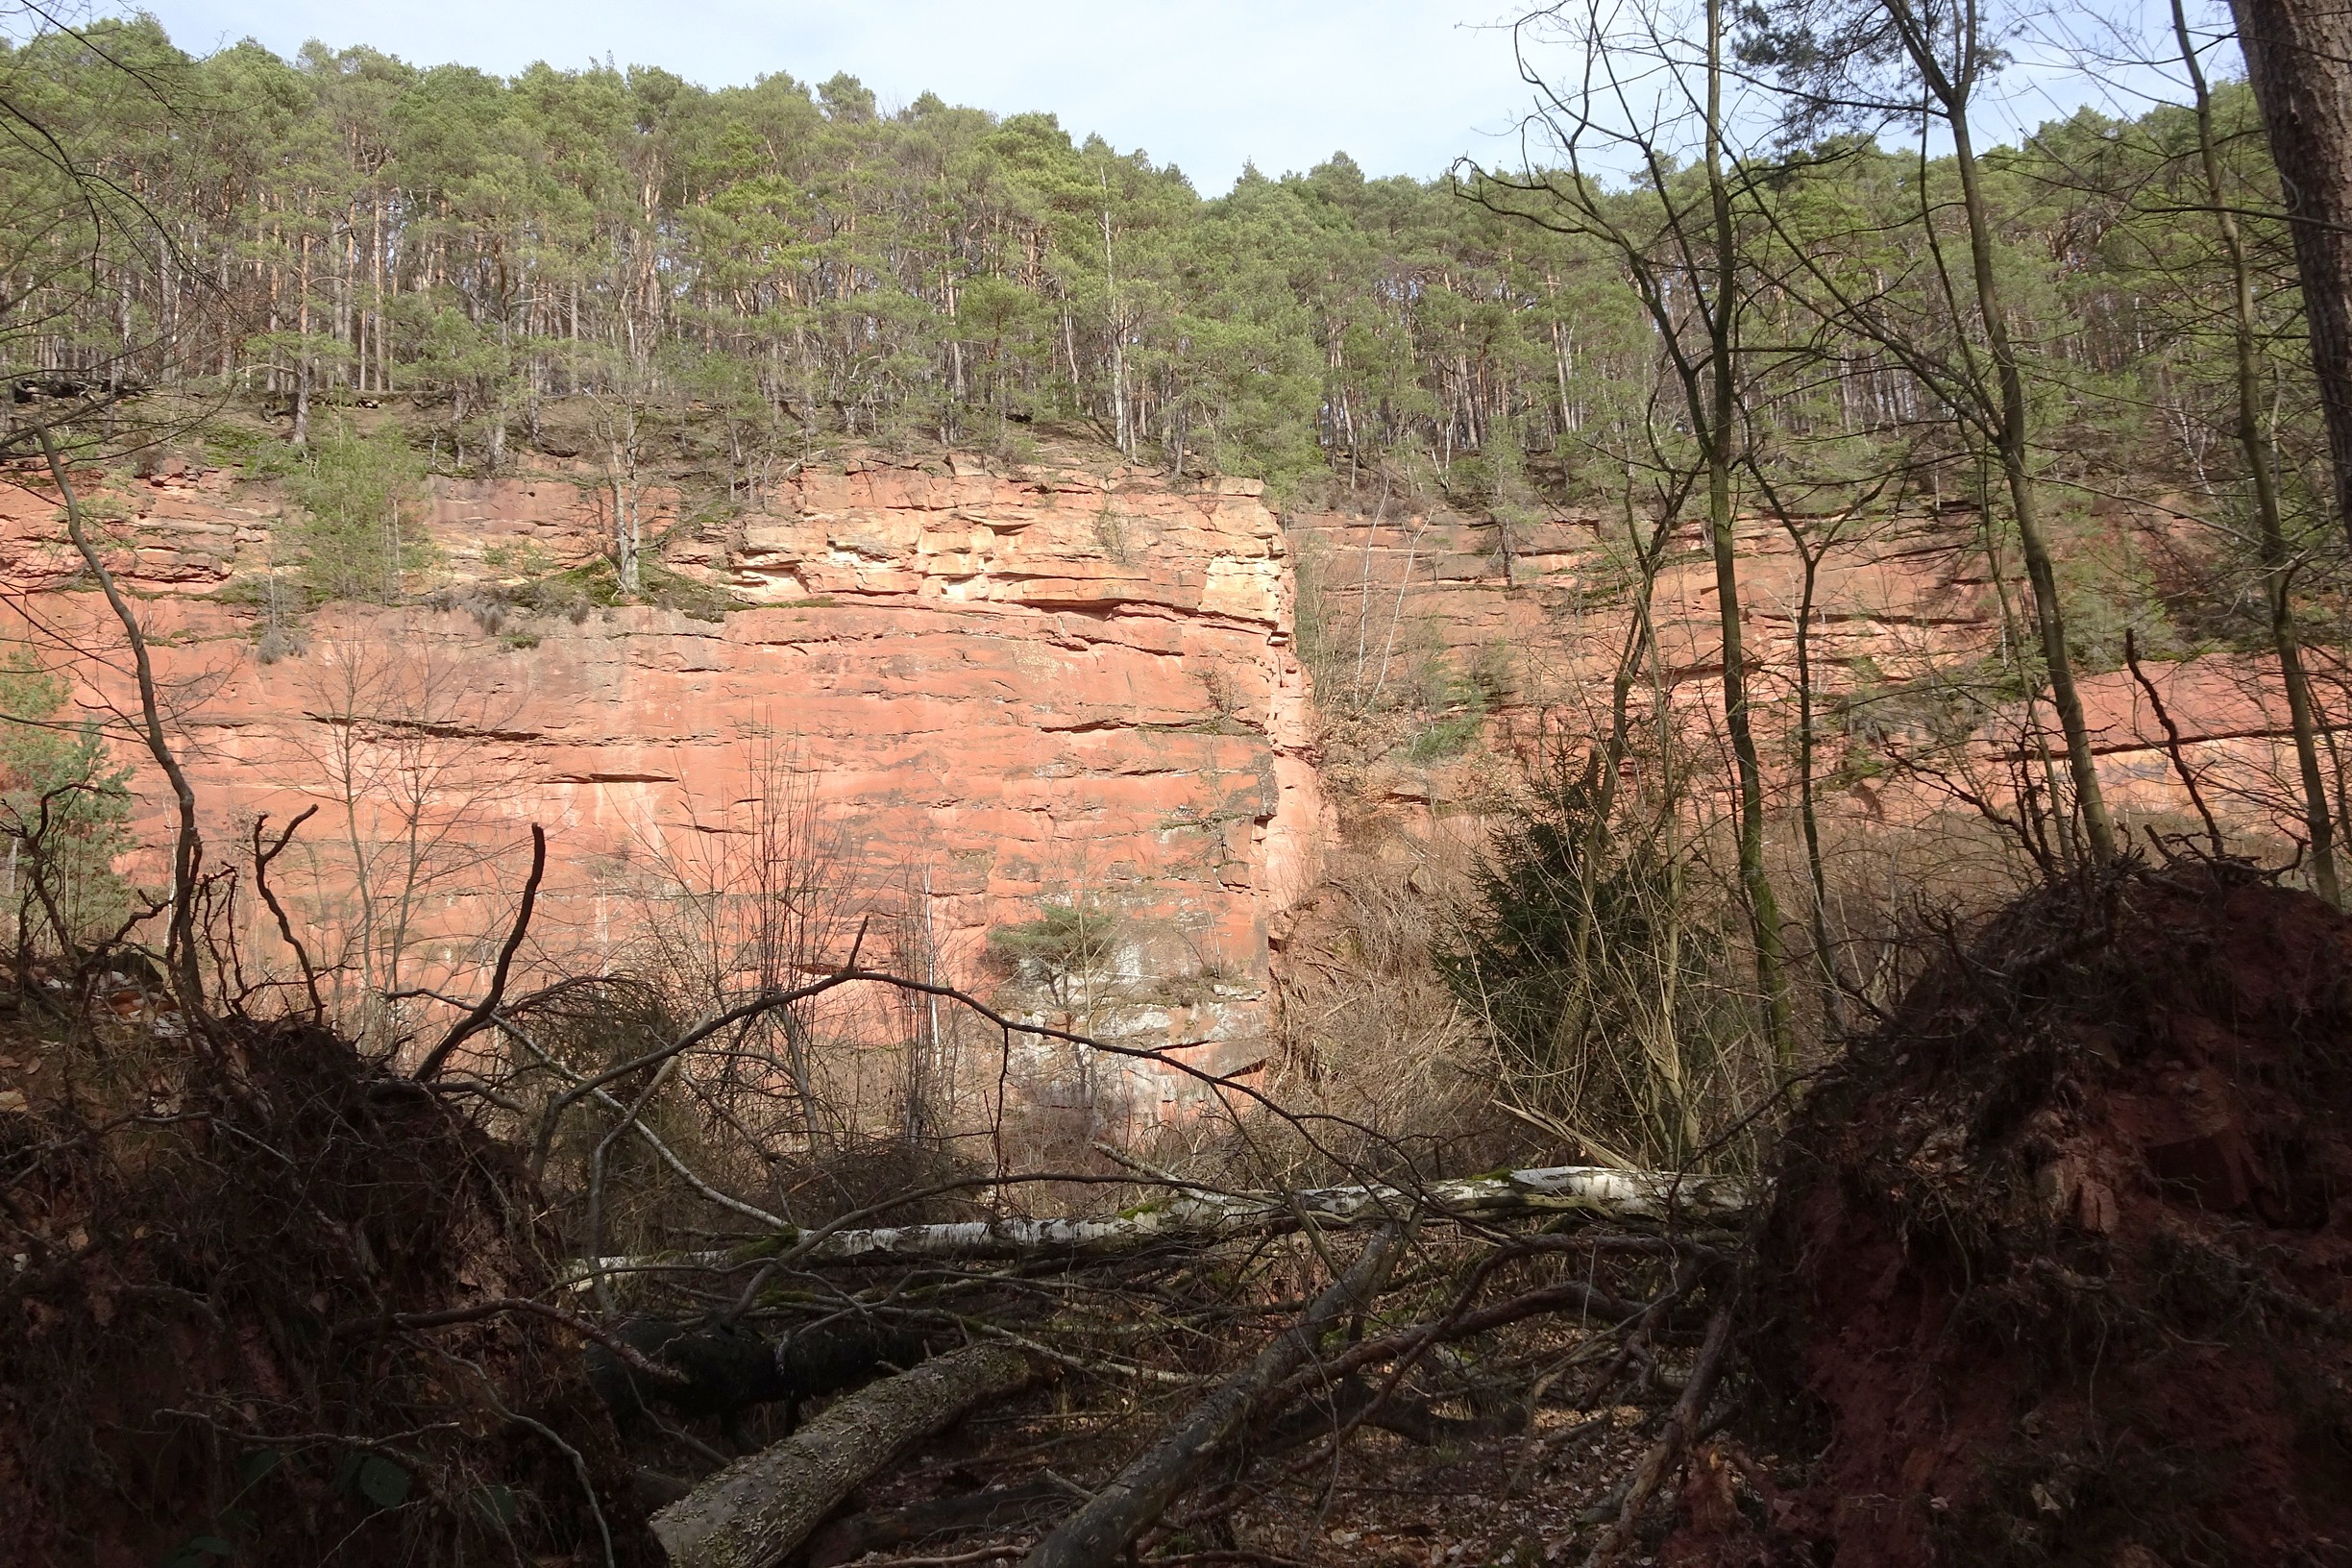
pixel 1539 1496
pixel 2058 1271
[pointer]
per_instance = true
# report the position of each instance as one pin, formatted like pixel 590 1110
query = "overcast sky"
pixel 1405 86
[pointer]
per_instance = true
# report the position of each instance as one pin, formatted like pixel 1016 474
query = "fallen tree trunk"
pixel 1140 1493
pixel 757 1510
pixel 1014 1508
pixel 1191 1215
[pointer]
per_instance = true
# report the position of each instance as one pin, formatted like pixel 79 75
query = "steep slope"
pixel 935 700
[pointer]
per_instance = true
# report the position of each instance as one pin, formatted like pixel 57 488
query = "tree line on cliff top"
pixel 803 266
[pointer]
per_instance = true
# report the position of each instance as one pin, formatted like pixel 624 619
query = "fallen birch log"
pixel 758 1511
pixel 1191 1215
pixel 1127 1505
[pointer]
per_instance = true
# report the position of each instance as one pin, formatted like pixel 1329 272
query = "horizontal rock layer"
pixel 1528 621
pixel 956 693
pixel 928 701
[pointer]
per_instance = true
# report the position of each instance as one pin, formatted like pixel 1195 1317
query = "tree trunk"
pixel 2013 447
pixel 1196 1219
pixel 2010 416
pixel 1723 326
pixel 2298 56
pixel 1682 1425
pixel 759 1509
pixel 2278 569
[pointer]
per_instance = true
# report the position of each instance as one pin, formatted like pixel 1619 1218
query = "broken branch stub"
pixel 758 1511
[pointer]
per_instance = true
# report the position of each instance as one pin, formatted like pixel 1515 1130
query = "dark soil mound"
pixel 200 1354
pixel 2060 1265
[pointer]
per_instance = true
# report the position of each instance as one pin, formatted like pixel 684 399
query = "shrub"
pixel 64 810
pixel 1597 970
pixel 363 500
pixel 1064 942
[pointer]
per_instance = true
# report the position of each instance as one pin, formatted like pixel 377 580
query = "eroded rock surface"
pixel 999 693
pixel 975 693
pixel 1527 622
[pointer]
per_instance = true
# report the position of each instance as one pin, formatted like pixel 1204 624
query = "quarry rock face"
pixel 922 704
pixel 976 694
pixel 1526 623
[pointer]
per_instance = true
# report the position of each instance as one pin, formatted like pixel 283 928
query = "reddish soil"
pixel 2060 1266
pixel 198 1362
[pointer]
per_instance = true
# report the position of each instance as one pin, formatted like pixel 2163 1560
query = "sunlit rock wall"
pixel 968 693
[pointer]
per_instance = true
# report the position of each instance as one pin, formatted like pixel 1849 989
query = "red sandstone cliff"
pixel 1539 614
pixel 1064 686
pixel 993 690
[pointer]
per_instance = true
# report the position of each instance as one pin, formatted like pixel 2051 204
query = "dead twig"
pixel 984 1554
pixel 1418 1337
pixel 500 1306
pixel 488 1005
pixel 187 845
pixel 261 859
pixel 1681 1427
pixel 2172 744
